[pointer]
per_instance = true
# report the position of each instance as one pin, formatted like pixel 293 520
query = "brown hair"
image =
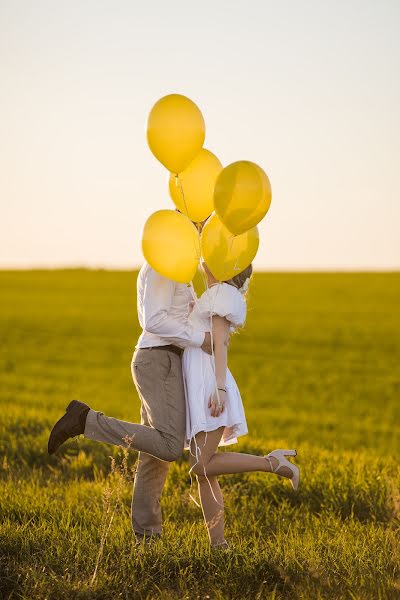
pixel 238 280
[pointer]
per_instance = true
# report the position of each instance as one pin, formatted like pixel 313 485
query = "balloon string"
pixel 235 266
pixel 179 185
pixel 197 448
pixel 205 282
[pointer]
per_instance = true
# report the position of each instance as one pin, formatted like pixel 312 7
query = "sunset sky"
pixel 309 90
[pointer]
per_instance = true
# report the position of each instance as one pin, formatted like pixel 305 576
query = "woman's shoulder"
pixel 225 300
pixel 221 291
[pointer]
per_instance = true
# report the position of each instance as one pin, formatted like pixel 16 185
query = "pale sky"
pixel 309 90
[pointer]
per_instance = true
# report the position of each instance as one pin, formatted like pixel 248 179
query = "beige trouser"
pixel 160 436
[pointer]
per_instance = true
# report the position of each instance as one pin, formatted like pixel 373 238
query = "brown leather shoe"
pixel 70 425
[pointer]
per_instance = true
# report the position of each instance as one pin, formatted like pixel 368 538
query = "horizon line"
pixel 315 269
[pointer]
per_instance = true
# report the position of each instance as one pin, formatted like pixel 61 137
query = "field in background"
pixel 318 365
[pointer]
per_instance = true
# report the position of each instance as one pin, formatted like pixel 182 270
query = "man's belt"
pixel 170 347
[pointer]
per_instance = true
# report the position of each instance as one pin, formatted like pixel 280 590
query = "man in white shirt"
pixel 163 310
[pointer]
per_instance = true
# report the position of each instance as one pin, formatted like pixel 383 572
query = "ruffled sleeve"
pixel 226 301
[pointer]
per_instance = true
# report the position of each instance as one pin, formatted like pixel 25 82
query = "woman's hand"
pixel 217 406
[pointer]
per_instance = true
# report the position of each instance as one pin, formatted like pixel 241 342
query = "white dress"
pixel 198 370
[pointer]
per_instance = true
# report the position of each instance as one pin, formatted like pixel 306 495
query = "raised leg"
pixel 215 463
pixel 163 445
pixel 157 375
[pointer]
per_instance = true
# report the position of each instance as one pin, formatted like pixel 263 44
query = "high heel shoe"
pixel 282 462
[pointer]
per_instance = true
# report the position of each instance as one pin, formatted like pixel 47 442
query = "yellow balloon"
pixel 175 131
pixel 225 254
pixel 193 190
pixel 242 196
pixel 171 245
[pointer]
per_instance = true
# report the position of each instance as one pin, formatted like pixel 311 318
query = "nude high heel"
pixel 282 462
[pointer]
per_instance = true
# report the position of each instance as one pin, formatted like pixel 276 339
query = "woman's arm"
pixel 220 330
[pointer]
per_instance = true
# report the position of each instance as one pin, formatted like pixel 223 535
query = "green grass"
pixel 318 365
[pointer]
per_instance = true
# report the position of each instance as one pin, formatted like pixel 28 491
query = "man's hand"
pixel 217 405
pixel 206 345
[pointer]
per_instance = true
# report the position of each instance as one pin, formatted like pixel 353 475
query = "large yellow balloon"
pixel 242 196
pixel 193 191
pixel 175 131
pixel 225 254
pixel 171 245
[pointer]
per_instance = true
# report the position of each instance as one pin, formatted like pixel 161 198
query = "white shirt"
pixel 163 311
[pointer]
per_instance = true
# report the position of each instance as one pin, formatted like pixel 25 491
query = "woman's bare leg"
pixel 222 463
pixel 209 464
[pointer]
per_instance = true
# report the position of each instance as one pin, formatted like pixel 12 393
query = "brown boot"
pixel 70 425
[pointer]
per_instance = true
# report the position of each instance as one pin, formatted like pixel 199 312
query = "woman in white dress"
pixel 214 409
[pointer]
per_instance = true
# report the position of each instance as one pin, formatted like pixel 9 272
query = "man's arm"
pixel 157 299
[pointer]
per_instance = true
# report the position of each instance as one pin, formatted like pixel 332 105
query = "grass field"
pixel 319 369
